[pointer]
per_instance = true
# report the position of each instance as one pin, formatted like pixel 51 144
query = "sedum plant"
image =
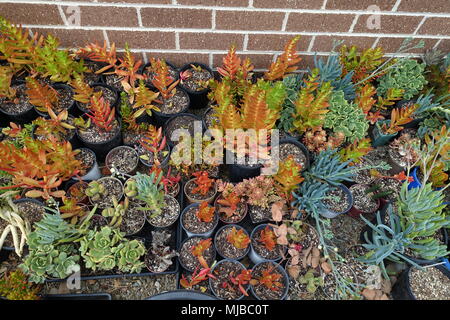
pixel 15 286
pixel 345 117
pixel 150 191
pixel 407 75
pixel 117 212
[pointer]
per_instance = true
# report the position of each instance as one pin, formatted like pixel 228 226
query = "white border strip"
pixel 202 7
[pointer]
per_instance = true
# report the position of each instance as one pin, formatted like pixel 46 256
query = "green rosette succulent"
pixel 65 264
pixel 407 75
pixel 38 264
pixel 346 117
pixel 96 248
pixel 129 254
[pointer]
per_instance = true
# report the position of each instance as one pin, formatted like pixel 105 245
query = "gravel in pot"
pixel 101 192
pixel 170 213
pixel 124 159
pixel 232 242
pixel 227 214
pixel 429 284
pixel 188 260
pixel 263 243
pixel 195 76
pixel 363 199
pixel 133 220
pixel 181 121
pixel 21 103
pixel 224 285
pixel 296 151
pixel 276 289
pixel 108 93
pixel 195 223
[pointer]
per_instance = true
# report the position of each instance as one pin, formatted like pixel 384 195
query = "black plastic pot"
pixel 74 140
pixel 114 104
pixel 159 118
pixel 285 280
pixel 72 109
pixel 402 288
pixel 199 99
pixel 101 149
pixel 182 295
pixel 378 137
pixel 79 296
pixel 297 143
pixel 111 154
pixel 20 118
pixel 194 117
pixel 148 64
pixel 327 213
pixel 239 172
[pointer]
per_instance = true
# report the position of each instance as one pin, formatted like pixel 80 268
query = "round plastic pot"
pixel 204 117
pixel 169 141
pixel 159 118
pixel 216 204
pixel 253 255
pixel 94 172
pixel 72 109
pixel 101 149
pixel 212 271
pixel 199 99
pixel 330 214
pixel 148 64
pixel 395 166
pixel 104 178
pixel 229 226
pixel 181 246
pixel 72 184
pixel 182 295
pixel 378 137
pixel 20 118
pixel 402 288
pixel 239 172
pixel 356 213
pixel 423 262
pixel 74 140
pixel 190 234
pixel 416 182
pixel 305 151
pixel 170 225
pixel 368 230
pixel 285 280
pixel 114 104
pixel 192 200
pixel 111 153
pixel 163 164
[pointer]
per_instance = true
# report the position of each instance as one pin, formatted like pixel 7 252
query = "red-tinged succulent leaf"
pixel 205 213
pixel 238 238
pixel 286 62
pixel 268 238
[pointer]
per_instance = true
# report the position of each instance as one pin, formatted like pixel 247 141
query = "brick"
pixel 73 38
pixel 176 18
pixel 260 61
pixel 325 43
pixel 290 4
pixel 143 39
pixel 444 45
pixel 307 62
pixel 319 22
pixel 391 45
pixel 249 20
pixel 389 24
pixel 108 16
pixel 139 1
pixel 275 42
pixel 214 41
pixel 435 26
pixel 384 5
pixel 218 3
pixel 180 58
pixel 41 13
pixel 424 6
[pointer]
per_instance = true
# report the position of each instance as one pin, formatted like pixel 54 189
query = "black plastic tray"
pixel 79 296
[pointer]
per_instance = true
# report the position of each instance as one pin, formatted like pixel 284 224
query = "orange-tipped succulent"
pixel 286 62
pixel 199 249
pixel 238 238
pixel 203 182
pixel 205 213
pixel 288 177
pixel 268 238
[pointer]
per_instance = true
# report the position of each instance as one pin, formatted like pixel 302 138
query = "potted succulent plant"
pixel 230 280
pixel 365 200
pixel 402 153
pixel 103 191
pixel 185 121
pixel 102 131
pixel 264 245
pixel 197 252
pixel 152 149
pixel 269 281
pixel 199 219
pixel 15 103
pixel 338 200
pixel 194 78
pixel 232 242
pixel 122 159
pixel 160 256
pixel 229 205
pixel 172 98
pixel 201 188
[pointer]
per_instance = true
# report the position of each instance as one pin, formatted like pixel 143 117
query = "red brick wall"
pixel 201 30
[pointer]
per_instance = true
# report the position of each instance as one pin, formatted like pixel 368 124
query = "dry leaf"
pixel 326 267
pixel 293 271
pixel 277 211
pixel 369 294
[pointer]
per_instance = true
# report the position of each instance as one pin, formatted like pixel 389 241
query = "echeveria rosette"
pixel 128 256
pixel 407 75
pixel 37 265
pixel 345 117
